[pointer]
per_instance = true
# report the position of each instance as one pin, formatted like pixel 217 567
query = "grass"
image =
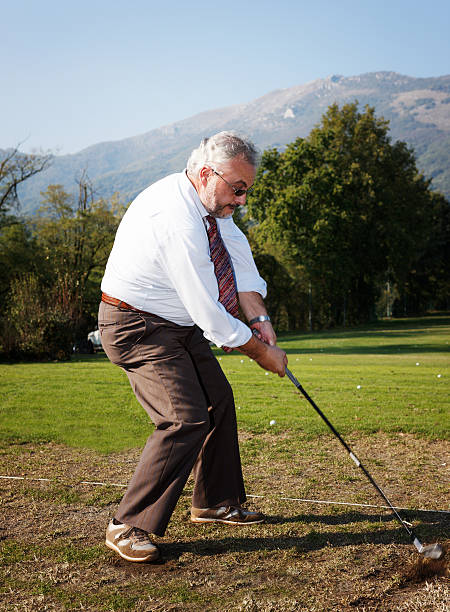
pixel 365 380
pixel 78 423
pixel 62 551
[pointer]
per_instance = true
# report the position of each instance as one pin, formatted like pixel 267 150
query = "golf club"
pixel 433 551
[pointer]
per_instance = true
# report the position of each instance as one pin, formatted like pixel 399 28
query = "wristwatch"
pixel 259 319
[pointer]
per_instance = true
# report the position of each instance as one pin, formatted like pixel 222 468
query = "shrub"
pixel 41 321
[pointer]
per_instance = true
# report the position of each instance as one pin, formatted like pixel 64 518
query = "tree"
pixel 427 283
pixel 54 262
pixel 15 168
pixel 347 207
pixel 75 239
pixel 42 320
pixel 18 254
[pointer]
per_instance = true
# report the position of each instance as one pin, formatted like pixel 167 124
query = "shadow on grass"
pixel 345 518
pixel 388 328
pixel 428 531
pixel 313 541
pixel 85 358
pixel 383 330
pixel 74 358
pixel 386 349
pixel 370 349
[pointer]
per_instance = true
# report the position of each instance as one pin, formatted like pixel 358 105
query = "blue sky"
pixel 78 73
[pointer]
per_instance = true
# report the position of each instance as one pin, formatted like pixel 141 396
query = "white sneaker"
pixel 131 543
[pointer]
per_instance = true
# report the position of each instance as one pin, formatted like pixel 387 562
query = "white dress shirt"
pixel 160 261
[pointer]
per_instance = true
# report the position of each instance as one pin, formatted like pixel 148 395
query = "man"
pixel 172 283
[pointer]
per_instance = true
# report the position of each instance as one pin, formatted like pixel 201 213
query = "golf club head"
pixel 433 551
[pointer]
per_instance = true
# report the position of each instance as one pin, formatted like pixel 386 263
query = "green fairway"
pixel 393 376
pixel 327 543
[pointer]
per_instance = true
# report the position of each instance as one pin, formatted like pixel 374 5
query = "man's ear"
pixel 204 174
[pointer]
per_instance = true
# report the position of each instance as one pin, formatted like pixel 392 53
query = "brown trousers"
pixel 179 382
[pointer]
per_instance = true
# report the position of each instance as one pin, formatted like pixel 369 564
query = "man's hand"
pixel 269 357
pixel 266 333
pixel 274 360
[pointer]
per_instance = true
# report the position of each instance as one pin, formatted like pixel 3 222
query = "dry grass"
pixel 306 557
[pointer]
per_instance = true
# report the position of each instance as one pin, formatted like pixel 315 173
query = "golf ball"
pixel 417 363
pixel 358 387
pixel 272 422
pixel 267 373
pixel 439 375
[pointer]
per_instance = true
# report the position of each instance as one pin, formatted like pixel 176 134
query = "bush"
pixel 7 337
pixel 41 322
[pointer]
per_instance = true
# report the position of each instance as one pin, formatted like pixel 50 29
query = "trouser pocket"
pixel 121 332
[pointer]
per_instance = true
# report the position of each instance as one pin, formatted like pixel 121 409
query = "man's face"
pixel 218 196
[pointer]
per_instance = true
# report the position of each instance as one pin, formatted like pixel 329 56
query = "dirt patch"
pixel 307 556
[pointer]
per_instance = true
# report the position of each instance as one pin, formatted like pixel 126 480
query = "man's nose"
pixel 240 200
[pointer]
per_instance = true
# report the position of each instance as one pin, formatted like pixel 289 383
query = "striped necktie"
pixel 222 269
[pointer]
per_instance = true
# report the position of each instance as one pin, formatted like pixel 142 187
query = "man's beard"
pixel 214 208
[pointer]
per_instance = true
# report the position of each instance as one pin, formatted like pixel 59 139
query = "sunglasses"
pixel 237 190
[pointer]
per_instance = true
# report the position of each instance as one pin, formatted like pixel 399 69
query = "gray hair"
pixel 220 149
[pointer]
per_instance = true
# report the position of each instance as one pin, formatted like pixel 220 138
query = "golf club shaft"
pixel 354 458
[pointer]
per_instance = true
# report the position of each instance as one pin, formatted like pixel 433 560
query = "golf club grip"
pixel 349 450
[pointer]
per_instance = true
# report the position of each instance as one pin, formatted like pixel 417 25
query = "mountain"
pixel 418 110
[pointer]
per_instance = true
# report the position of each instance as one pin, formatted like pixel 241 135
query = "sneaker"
pixel 232 515
pixel 132 543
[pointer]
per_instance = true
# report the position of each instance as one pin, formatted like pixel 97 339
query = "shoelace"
pixel 136 534
pixel 233 510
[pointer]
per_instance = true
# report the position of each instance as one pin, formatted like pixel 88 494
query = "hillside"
pixel 418 110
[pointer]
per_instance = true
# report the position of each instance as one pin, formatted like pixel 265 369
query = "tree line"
pixel 52 264
pixel 342 225
pixel 347 228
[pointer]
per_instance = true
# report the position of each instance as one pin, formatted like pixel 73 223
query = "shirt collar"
pixel 190 190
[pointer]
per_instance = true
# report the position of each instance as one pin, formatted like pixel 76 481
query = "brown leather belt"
pixel 120 304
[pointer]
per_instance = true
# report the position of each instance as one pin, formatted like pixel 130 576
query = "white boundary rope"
pixel 69 484
pixel 336 503
pixel 297 499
